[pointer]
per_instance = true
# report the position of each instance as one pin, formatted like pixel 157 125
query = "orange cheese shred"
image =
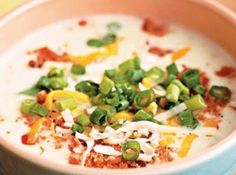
pixel 110 50
pixel 180 53
pixel 211 123
pixel 167 141
pixel 124 115
pixel 34 130
pixel 186 145
pixel 173 121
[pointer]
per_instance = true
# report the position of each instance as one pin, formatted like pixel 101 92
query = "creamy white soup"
pixel 116 91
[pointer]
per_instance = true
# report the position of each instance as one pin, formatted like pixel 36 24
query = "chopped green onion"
pixel 83 120
pixel 106 85
pixel 88 87
pixel 169 79
pixel 27 106
pixel 130 65
pixel 142 115
pixel 184 97
pixel 112 99
pixel 66 103
pixel 57 83
pixel 113 26
pixel 97 100
pixel 123 105
pixel 31 91
pixel 55 72
pixel 77 128
pixel 172 93
pixel 191 78
pixel 187 119
pixel 131 150
pixel 44 83
pixel 39 110
pixel 134 76
pixel 77 69
pixel 110 110
pixel 117 124
pixel 109 38
pixel 220 92
pixel 95 43
pixel 99 117
pixel 199 89
pixel 155 74
pixel 182 87
pixel 143 98
pixel 127 89
pixel 195 102
pixel 172 69
pixel 110 73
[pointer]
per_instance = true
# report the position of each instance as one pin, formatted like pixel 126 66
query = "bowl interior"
pixel 211 20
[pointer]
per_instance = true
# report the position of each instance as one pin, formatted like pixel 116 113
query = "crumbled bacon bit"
pixel 226 71
pixel 159 51
pixel 24 140
pixel 41 96
pixel 73 160
pixel 32 63
pixel 213 109
pixel 101 161
pixel 164 154
pixel 82 22
pixel 30 120
pixel 204 79
pixel 153 28
pixel 45 54
pixel 73 144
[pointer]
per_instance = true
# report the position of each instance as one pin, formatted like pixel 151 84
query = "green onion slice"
pixel 191 78
pixel 220 92
pixel 99 117
pixel 143 98
pixel 131 150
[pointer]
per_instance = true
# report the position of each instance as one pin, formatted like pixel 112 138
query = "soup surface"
pixel 116 91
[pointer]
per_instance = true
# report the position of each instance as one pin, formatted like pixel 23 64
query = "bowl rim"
pixel 173 167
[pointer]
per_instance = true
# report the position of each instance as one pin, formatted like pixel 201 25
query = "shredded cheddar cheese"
pixel 110 50
pixel 152 108
pixel 34 131
pixel 124 115
pixel 180 53
pixel 167 141
pixel 173 121
pixel 147 83
pixel 210 123
pixel 186 145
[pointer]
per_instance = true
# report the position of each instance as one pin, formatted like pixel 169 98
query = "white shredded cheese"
pixel 107 150
pixel 62 131
pixel 68 118
pixel 171 112
pixel 90 144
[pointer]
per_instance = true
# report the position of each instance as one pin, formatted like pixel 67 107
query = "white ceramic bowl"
pixel 206 16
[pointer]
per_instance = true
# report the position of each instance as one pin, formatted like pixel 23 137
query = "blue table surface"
pixel 232 170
